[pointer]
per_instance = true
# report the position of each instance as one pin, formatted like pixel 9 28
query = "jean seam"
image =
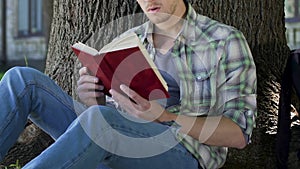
pixel 8 120
pixel 14 109
pixel 71 162
pixel 46 89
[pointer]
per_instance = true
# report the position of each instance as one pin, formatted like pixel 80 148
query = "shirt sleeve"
pixel 239 86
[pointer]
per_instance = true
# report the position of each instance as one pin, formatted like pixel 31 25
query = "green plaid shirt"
pixel 217 77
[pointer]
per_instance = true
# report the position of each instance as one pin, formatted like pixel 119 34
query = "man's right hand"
pixel 89 88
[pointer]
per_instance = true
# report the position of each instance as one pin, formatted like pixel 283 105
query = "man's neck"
pixel 165 33
pixel 171 30
pixel 163 39
pixel 174 24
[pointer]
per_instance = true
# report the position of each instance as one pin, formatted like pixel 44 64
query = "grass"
pixel 1 75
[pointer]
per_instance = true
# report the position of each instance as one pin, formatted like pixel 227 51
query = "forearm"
pixel 215 131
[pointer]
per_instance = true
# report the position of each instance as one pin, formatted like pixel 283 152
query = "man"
pixel 212 82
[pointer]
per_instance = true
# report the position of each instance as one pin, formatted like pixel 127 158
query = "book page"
pixel 128 41
pixel 84 48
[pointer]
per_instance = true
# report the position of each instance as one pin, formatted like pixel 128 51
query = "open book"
pixel 124 61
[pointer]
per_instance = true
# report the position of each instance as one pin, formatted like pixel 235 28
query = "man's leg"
pixel 25 92
pixel 103 135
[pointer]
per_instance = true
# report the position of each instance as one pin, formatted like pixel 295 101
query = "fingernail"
pixel 122 86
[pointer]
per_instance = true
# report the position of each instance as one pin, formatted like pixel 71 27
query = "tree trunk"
pixel 79 21
pixel 261 21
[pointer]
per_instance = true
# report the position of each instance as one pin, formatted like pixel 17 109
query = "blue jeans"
pixel 84 138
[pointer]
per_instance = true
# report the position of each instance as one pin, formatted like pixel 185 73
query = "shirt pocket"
pixel 202 94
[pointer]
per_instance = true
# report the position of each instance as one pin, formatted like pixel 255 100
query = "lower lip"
pixel 154 11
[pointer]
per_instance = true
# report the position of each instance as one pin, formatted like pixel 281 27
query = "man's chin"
pixel 158 18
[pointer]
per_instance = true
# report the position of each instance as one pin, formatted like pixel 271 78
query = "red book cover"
pixel 125 65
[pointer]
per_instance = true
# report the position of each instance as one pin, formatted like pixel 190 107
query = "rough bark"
pixel 78 21
pixel 29 145
pixel 261 21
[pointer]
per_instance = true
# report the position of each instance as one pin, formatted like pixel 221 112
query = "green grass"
pixel 1 75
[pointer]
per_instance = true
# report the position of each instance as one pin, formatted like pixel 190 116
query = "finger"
pixel 122 100
pixel 91 94
pixel 117 96
pixel 139 100
pixel 90 87
pixel 126 104
pixel 83 71
pixel 87 79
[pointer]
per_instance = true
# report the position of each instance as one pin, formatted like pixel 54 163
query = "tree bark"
pixel 78 21
pixel 261 21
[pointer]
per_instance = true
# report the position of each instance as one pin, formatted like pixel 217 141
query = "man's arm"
pixel 217 131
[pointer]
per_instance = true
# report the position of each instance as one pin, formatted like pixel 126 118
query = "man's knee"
pixel 99 115
pixel 19 69
pixel 97 121
pixel 20 73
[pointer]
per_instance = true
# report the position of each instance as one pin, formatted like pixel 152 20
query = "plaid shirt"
pixel 217 77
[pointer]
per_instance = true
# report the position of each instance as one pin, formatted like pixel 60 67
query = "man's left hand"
pixel 140 108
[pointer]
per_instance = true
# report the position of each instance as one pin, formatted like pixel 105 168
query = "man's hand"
pixel 88 88
pixel 142 108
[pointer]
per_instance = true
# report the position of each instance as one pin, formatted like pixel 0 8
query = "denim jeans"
pixel 95 137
